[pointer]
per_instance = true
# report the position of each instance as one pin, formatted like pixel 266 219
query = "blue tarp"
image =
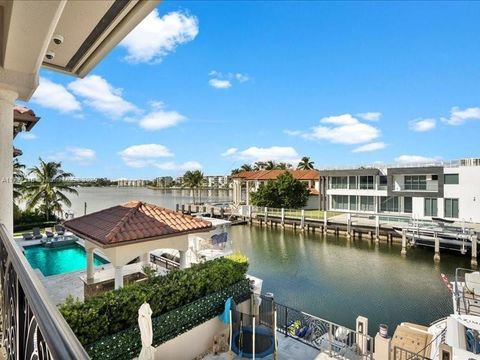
pixel 225 316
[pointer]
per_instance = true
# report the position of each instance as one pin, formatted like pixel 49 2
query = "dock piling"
pixel 377 228
pixel 325 221
pixel 436 257
pixel 349 225
pixel 302 220
pixel 283 217
pixel 404 242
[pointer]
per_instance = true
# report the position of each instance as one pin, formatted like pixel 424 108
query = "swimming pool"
pixel 59 260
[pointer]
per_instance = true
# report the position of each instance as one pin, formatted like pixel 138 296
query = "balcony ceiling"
pixel 90 29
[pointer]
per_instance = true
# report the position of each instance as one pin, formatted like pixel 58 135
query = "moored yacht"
pixel 456 337
pixel 450 236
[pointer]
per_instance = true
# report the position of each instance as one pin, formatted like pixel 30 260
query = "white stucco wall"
pixel 192 343
pixel 467 191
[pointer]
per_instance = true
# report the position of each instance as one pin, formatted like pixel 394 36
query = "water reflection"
pixel 338 278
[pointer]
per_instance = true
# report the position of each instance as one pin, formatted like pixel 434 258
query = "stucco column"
pixel 145 259
pixel 7 101
pixel 89 264
pixel 183 259
pixel 118 277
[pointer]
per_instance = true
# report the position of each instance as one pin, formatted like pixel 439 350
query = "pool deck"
pixel 288 348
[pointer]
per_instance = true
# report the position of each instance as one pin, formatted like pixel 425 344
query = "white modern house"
pixel 445 189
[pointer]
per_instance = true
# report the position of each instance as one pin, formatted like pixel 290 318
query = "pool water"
pixel 54 261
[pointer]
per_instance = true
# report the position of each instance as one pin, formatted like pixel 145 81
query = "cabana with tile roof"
pixel 125 232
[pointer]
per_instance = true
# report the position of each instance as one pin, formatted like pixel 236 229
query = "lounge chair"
pixel 36 233
pixel 49 234
pixel 59 229
pixel 27 236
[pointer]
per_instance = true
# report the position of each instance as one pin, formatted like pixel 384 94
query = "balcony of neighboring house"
pixel 70 37
pixel 416 183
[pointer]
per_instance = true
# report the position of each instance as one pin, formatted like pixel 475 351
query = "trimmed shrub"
pixel 127 344
pixel 117 310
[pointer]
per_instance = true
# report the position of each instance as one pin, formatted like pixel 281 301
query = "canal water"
pixel 330 277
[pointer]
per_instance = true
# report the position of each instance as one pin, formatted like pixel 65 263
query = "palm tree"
pixel 259 165
pixel 305 164
pixel 48 187
pixel 283 166
pixel 193 180
pixel 18 179
pixel 270 165
pixel 246 167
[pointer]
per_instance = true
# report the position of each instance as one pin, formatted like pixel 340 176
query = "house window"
pixel 451 179
pixel 352 182
pixel 367 203
pixel 339 182
pixel 415 182
pixel 366 182
pixel 451 208
pixel 430 207
pixel 407 204
pixel 389 204
pixel 340 202
pixel 353 202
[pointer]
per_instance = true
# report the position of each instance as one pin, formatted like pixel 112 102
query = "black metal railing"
pixel 32 326
pixel 403 354
pixel 336 340
pixel 164 262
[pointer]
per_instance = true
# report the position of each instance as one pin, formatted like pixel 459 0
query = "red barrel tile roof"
pixel 273 174
pixel 134 221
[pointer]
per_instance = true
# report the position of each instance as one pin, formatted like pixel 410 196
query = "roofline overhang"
pixel 136 241
pixel 102 40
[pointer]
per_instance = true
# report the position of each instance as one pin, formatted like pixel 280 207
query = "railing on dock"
pixel 336 340
pixel 32 326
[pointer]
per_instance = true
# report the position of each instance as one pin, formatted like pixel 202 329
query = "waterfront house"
pixel 441 189
pixel 247 181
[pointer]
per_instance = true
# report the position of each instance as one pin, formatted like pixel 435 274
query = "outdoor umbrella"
pixel 146 332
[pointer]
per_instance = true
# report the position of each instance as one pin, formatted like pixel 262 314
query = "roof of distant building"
pixel 273 174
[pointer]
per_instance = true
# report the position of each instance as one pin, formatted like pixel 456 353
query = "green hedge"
pixel 117 310
pixel 127 343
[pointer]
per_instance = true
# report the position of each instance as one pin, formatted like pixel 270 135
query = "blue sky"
pixel 213 85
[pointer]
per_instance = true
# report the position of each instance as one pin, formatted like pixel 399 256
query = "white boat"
pixel 456 337
pixel 451 237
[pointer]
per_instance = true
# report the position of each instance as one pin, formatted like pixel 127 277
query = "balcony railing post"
pixel 286 321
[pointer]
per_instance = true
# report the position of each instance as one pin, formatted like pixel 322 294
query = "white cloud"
pixel 416 159
pixel 102 96
pixel 370 147
pixel 144 154
pixel 220 84
pixel 242 77
pixel 224 81
pixel 459 116
pixel 188 165
pixel 27 136
pixel 345 129
pixel 422 125
pixel 371 116
pixel 83 156
pixel 275 153
pixel 159 118
pixel 55 96
pixel 155 37
pixel 230 152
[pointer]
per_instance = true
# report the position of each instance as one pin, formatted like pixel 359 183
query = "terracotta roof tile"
pixel 134 221
pixel 273 174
